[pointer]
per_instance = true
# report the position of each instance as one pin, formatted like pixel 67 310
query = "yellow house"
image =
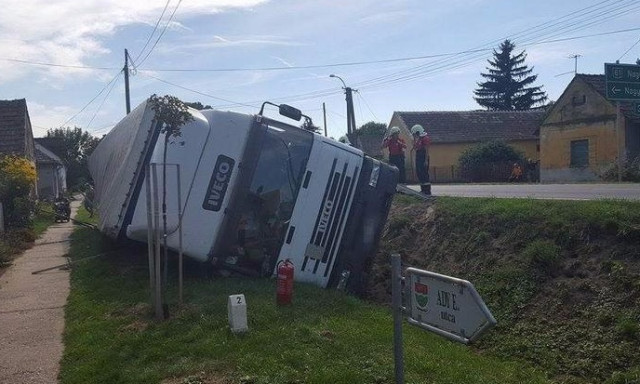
pixel 579 139
pixel 453 132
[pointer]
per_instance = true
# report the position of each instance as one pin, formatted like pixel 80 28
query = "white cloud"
pixel 44 116
pixel 385 17
pixel 217 41
pixel 70 32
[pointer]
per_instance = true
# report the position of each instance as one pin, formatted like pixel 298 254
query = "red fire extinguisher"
pixel 284 288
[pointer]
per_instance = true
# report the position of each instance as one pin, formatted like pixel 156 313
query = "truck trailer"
pixel 254 191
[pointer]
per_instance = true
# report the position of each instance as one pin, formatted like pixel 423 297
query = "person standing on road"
pixel 421 142
pixel 396 151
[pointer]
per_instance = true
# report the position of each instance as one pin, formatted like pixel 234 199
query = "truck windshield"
pixel 266 208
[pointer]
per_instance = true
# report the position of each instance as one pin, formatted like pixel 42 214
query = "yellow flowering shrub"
pixel 17 178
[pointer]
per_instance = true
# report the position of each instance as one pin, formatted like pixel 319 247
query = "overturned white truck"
pixel 254 191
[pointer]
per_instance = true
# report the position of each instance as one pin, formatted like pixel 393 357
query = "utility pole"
pixel 324 113
pixel 126 80
pixel 575 62
pixel 351 116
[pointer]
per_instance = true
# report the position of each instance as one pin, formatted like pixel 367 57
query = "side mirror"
pixel 290 112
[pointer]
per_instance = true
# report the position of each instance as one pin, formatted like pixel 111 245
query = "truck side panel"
pixel 116 167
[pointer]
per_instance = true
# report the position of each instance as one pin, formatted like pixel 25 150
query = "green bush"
pixel 630 377
pixel 630 171
pixel 628 328
pixel 489 161
pixel 543 254
pixel 14 241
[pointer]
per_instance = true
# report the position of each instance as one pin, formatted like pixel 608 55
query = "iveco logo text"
pixel 324 219
pixel 218 183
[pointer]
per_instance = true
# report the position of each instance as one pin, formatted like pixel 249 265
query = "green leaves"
pixel 507 86
pixel 171 112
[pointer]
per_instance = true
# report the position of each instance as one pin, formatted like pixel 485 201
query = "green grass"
pixel 618 216
pixel 325 337
pixel 561 277
pixel 43 219
pixel 15 240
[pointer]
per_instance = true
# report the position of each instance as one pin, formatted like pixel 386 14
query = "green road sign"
pixel 622 81
pixel 627 73
pixel 623 91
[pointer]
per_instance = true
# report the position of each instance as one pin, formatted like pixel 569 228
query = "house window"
pixel 580 153
pixel 579 100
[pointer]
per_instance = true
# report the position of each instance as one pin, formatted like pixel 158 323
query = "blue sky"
pixel 253 34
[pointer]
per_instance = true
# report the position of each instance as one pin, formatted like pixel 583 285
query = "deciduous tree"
pixel 78 145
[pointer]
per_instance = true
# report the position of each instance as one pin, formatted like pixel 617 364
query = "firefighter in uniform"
pixel 421 142
pixel 396 151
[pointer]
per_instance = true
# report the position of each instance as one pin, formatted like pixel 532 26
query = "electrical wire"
pixel 58 65
pixel 367 104
pixel 93 99
pixel 234 103
pixel 444 65
pixel 527 32
pixel 161 33
pixel 103 100
pixel 627 51
pixel 155 28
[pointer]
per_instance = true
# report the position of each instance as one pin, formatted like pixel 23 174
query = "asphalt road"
pixel 627 191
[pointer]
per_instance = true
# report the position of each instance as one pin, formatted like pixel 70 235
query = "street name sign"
pixel 446 305
pixel 622 81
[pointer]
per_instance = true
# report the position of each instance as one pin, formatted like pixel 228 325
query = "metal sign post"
pixel 396 297
pixel 622 83
pixel 445 305
pixel 154 233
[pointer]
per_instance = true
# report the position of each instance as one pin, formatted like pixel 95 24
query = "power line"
pixel 58 65
pixel 527 32
pixel 465 59
pixel 161 33
pixel 627 51
pixel 153 32
pixel 400 59
pixel 200 93
pixel 93 99
pixel 103 100
pixel 314 66
pixel 367 104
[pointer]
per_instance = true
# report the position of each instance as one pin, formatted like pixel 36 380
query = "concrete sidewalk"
pixel 32 310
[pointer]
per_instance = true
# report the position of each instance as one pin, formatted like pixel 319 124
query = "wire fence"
pixel 486 173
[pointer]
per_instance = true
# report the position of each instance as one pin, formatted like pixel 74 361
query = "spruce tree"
pixel 508 84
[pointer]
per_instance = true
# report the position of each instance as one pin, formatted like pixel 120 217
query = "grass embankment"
pixel 14 241
pixel 326 337
pixel 561 277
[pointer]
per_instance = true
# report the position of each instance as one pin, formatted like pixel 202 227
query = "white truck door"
pixel 321 211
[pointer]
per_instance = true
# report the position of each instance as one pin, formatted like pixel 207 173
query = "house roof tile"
pixel 598 83
pixel 13 114
pixel 45 156
pixel 473 126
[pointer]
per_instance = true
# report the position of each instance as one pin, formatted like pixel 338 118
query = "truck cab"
pixel 254 191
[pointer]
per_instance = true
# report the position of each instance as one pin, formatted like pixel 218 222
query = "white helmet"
pixel 344 139
pixel 417 130
pixel 394 131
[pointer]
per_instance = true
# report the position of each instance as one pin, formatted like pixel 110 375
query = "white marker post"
pixel 237 313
